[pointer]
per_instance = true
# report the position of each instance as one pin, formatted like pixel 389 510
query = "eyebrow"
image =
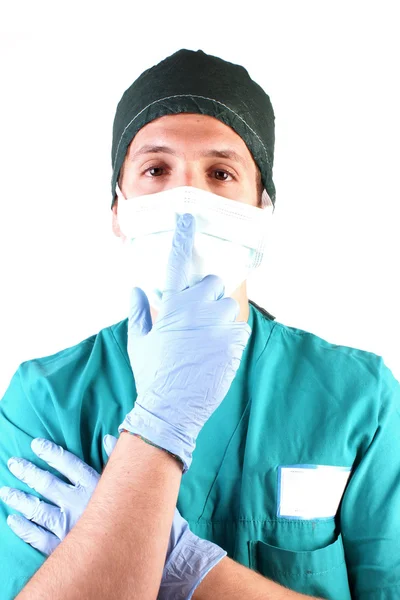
pixel 223 153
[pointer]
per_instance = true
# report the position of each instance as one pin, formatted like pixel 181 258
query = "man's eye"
pixel 226 173
pixel 153 169
pixel 158 168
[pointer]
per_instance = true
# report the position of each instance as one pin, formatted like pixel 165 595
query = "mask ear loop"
pixel 119 193
pixel 265 199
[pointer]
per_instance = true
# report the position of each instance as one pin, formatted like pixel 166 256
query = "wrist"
pixel 146 456
pixel 187 565
pixel 174 456
pixel 159 433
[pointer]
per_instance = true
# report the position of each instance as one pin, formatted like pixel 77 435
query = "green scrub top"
pixel 297 402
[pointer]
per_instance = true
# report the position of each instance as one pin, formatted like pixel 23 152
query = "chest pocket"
pixel 319 572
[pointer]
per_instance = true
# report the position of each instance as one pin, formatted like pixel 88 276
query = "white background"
pixel 332 72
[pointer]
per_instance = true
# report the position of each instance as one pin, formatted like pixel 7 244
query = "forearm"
pixel 118 547
pixel 231 581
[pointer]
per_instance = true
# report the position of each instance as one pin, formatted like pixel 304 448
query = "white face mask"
pixel 229 239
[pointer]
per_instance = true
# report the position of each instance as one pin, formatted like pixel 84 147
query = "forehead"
pixel 188 133
pixel 183 120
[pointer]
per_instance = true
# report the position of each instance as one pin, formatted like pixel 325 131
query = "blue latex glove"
pixel 184 365
pixel 43 526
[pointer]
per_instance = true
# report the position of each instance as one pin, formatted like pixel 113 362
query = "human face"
pixel 189 137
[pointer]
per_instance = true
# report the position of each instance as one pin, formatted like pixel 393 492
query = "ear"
pixel 115 225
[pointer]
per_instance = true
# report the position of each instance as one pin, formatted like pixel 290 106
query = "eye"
pixel 153 168
pixel 163 168
pixel 226 173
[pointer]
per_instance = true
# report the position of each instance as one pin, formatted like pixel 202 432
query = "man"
pixel 295 473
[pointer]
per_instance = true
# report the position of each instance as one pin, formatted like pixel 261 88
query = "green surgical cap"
pixel 194 82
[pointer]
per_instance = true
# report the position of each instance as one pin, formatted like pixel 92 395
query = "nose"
pixel 193 177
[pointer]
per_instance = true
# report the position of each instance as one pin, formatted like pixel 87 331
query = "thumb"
pixel 140 322
pixel 109 442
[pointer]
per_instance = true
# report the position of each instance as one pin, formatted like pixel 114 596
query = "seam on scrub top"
pixel 262 351
pixel 190 96
pixel 120 349
pixel 27 397
pixel 223 459
pixel 233 434
pixel 327 345
pixel 305 573
pixel 51 358
pixel 246 409
pixel 22 386
pixel 294 523
pixel 381 589
pixel 295 330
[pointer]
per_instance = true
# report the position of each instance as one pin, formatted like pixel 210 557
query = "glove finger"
pixel 240 334
pixel 178 268
pixel 32 534
pixel 223 312
pixel 109 443
pixel 139 322
pixel 35 510
pixel 72 467
pixel 211 287
pixel 43 482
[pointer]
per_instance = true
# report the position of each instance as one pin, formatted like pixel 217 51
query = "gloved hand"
pixel 184 365
pixel 43 526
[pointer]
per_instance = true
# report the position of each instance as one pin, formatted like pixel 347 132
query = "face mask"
pixel 229 239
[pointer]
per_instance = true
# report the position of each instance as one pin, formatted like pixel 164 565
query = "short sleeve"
pixel 370 512
pixel 19 424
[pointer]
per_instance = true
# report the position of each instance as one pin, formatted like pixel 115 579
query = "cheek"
pixel 134 184
pixel 252 198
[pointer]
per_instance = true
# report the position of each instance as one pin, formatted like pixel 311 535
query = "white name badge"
pixel 310 491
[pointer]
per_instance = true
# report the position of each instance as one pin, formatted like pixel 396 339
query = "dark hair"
pixel 259 188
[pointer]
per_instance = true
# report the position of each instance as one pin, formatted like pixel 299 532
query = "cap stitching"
pixel 191 96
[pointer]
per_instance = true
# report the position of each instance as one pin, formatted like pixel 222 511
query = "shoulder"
pixel 65 367
pixel 340 367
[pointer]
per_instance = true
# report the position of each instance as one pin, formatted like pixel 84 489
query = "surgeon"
pixel 199 449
